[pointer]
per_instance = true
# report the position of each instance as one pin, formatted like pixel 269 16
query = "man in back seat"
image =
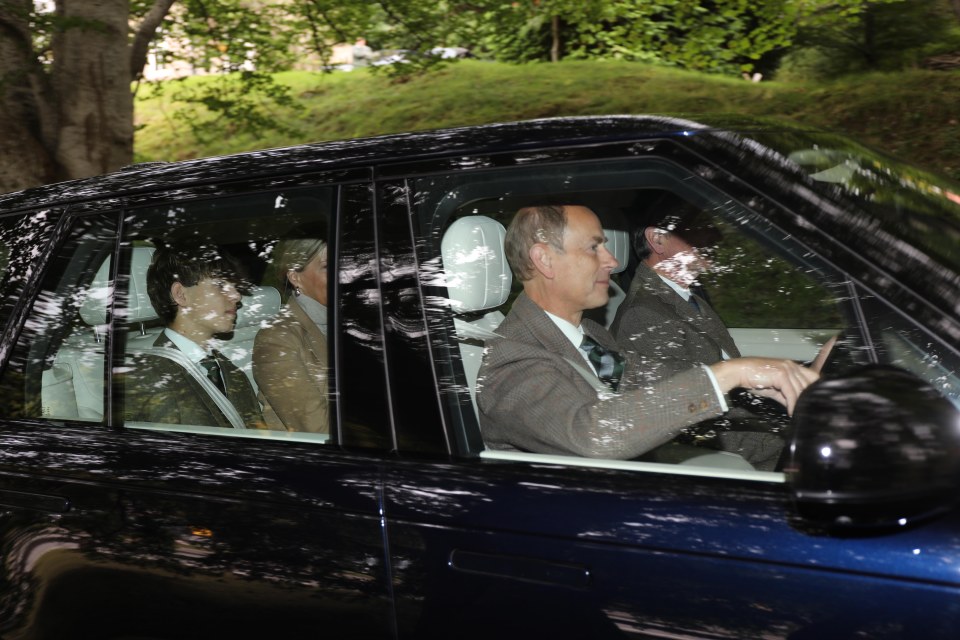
pixel 194 291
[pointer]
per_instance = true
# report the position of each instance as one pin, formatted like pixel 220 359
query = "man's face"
pixel 582 270
pixel 680 261
pixel 207 308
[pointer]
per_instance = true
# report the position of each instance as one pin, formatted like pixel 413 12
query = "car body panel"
pixel 517 548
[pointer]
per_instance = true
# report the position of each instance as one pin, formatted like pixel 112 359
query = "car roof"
pixel 379 150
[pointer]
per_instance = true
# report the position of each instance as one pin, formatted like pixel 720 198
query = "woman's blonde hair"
pixel 293 254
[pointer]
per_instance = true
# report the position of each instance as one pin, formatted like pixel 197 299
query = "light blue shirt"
pixel 194 352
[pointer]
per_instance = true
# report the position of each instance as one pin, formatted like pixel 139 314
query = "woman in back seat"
pixel 290 356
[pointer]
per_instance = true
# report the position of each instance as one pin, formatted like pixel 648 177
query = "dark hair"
pixel 188 266
pixel 538 223
pixel 640 245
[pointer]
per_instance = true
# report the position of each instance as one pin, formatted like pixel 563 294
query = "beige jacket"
pixel 290 367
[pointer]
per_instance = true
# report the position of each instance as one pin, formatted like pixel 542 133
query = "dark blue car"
pixel 391 519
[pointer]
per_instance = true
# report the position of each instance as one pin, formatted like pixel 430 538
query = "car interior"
pixel 73 381
pixel 478 289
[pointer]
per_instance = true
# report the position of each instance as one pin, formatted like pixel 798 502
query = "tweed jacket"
pixel 665 331
pixel 290 367
pixel 157 389
pixel 533 395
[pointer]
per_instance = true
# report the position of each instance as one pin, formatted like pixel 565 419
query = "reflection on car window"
pixel 21 239
pixel 904 344
pixel 226 316
pixel 56 370
pixel 907 202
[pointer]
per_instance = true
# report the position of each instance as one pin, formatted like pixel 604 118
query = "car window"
pixel 905 201
pixel 776 296
pixel 223 316
pixel 23 238
pixel 903 343
pixel 56 369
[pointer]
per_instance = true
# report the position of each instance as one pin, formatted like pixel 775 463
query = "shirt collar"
pixel 194 352
pixel 574 334
pixel 683 293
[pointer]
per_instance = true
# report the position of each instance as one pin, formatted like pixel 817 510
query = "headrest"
pixel 261 305
pixel 94 307
pixel 618 242
pixel 477 274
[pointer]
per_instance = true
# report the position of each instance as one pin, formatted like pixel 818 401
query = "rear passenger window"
pixel 23 239
pixel 56 370
pixel 223 323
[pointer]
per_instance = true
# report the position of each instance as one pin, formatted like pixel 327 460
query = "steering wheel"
pixel 845 355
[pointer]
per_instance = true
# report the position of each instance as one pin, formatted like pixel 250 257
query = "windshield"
pixel 906 201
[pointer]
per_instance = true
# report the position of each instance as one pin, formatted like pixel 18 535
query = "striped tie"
pixel 609 364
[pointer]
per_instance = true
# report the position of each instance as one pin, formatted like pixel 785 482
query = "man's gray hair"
pixel 539 223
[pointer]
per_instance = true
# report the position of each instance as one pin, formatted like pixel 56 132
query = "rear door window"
pixel 224 321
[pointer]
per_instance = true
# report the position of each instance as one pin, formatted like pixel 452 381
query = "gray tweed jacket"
pixel 665 331
pixel 533 396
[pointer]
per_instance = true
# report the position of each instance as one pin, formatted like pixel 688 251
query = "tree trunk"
pixel 70 116
pixel 555 32
pixel 25 113
pixel 91 79
pixel 956 7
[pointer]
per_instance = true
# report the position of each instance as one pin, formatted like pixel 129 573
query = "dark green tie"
pixel 212 367
pixel 609 364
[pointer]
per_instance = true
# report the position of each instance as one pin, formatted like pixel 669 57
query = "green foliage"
pixel 346 105
pixel 719 35
pixel 224 105
pixel 867 35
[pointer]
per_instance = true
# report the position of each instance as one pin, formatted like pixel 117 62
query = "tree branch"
pixel 145 33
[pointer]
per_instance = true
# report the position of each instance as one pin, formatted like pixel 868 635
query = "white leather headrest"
pixel 94 307
pixel 475 266
pixel 618 242
pixel 261 305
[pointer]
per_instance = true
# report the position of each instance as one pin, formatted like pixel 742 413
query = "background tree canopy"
pixel 69 69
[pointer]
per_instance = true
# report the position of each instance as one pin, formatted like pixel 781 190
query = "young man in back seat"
pixel 194 291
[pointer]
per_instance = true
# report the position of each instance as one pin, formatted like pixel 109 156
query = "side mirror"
pixel 876 448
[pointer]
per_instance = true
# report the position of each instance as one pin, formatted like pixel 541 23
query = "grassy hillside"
pixel 914 115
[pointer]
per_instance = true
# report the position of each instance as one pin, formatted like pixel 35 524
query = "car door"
pixel 116 528
pixel 516 544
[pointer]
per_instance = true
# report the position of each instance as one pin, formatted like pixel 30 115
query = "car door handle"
pixel 34 501
pixel 521 568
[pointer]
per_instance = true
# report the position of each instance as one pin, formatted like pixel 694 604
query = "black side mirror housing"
pixel 877 447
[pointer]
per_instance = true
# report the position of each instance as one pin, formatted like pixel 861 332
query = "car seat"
pixel 478 282
pixel 618 243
